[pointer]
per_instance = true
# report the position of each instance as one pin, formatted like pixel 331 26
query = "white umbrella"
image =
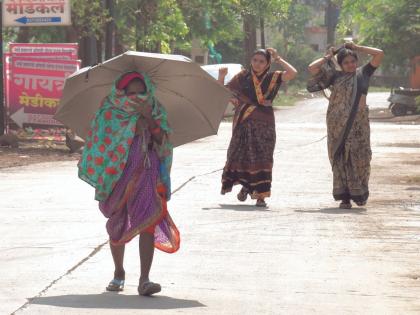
pixel 194 100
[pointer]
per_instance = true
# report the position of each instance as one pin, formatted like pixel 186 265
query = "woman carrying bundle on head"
pixel 347 118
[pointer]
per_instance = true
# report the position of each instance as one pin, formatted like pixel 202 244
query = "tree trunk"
pixel 331 21
pixel 119 48
pixel 71 35
pixel 23 35
pixel 89 51
pixel 99 49
pixel 250 37
pixel 262 30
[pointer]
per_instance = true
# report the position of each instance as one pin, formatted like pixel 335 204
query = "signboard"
pixel 47 56
pixel 44 49
pixel 6 79
pixel 35 88
pixel 36 12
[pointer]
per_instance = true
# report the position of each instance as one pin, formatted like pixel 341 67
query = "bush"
pixel 300 57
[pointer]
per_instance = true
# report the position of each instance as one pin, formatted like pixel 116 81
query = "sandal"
pixel 148 288
pixel 261 203
pixel 345 205
pixel 116 285
pixel 243 194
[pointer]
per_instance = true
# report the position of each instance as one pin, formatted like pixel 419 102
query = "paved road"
pixel 300 256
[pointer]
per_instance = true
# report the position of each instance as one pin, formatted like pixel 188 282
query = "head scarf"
pixel 258 79
pixel 267 57
pixel 125 79
pixel 112 131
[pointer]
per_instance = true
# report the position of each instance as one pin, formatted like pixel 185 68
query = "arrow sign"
pixel 20 118
pixel 26 13
pixel 37 20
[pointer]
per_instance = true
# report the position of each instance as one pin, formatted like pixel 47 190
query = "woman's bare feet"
pixel 345 204
pixel 261 203
pixel 243 194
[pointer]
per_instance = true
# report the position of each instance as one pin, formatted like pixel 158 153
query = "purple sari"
pixel 137 203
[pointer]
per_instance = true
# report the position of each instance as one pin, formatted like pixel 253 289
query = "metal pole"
pixel 2 107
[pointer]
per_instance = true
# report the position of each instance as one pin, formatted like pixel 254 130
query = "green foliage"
pixel 301 56
pixel 392 25
pixel 292 27
pixel 232 51
pixel 150 25
pixel 268 9
pixel 290 41
pixel 9 35
pixel 89 17
pixel 212 21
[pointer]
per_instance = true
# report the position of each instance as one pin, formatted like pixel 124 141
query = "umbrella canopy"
pixel 195 102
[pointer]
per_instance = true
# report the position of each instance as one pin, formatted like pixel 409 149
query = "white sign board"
pixel 36 12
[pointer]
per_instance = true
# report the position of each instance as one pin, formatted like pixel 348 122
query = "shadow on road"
pixel 116 301
pixel 358 211
pixel 237 208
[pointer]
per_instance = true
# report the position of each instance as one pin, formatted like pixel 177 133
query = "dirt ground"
pixel 385 115
pixel 35 151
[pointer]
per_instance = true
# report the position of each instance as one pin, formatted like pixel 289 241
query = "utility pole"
pixel 2 107
pixel 109 31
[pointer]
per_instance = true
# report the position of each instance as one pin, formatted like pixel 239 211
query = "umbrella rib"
pixel 109 68
pixel 180 75
pixel 192 103
pixel 153 70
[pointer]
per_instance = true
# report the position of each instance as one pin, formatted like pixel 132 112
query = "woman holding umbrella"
pixel 347 118
pixel 127 159
pixel 250 154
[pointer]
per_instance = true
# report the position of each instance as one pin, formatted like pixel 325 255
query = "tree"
pixel 211 20
pixel 259 13
pixel 292 27
pixel 150 25
pixel 392 25
pixel 89 20
pixel 217 24
pixel 290 40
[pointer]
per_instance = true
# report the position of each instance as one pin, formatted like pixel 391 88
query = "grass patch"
pixel 295 92
pixel 285 100
pixel 379 89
